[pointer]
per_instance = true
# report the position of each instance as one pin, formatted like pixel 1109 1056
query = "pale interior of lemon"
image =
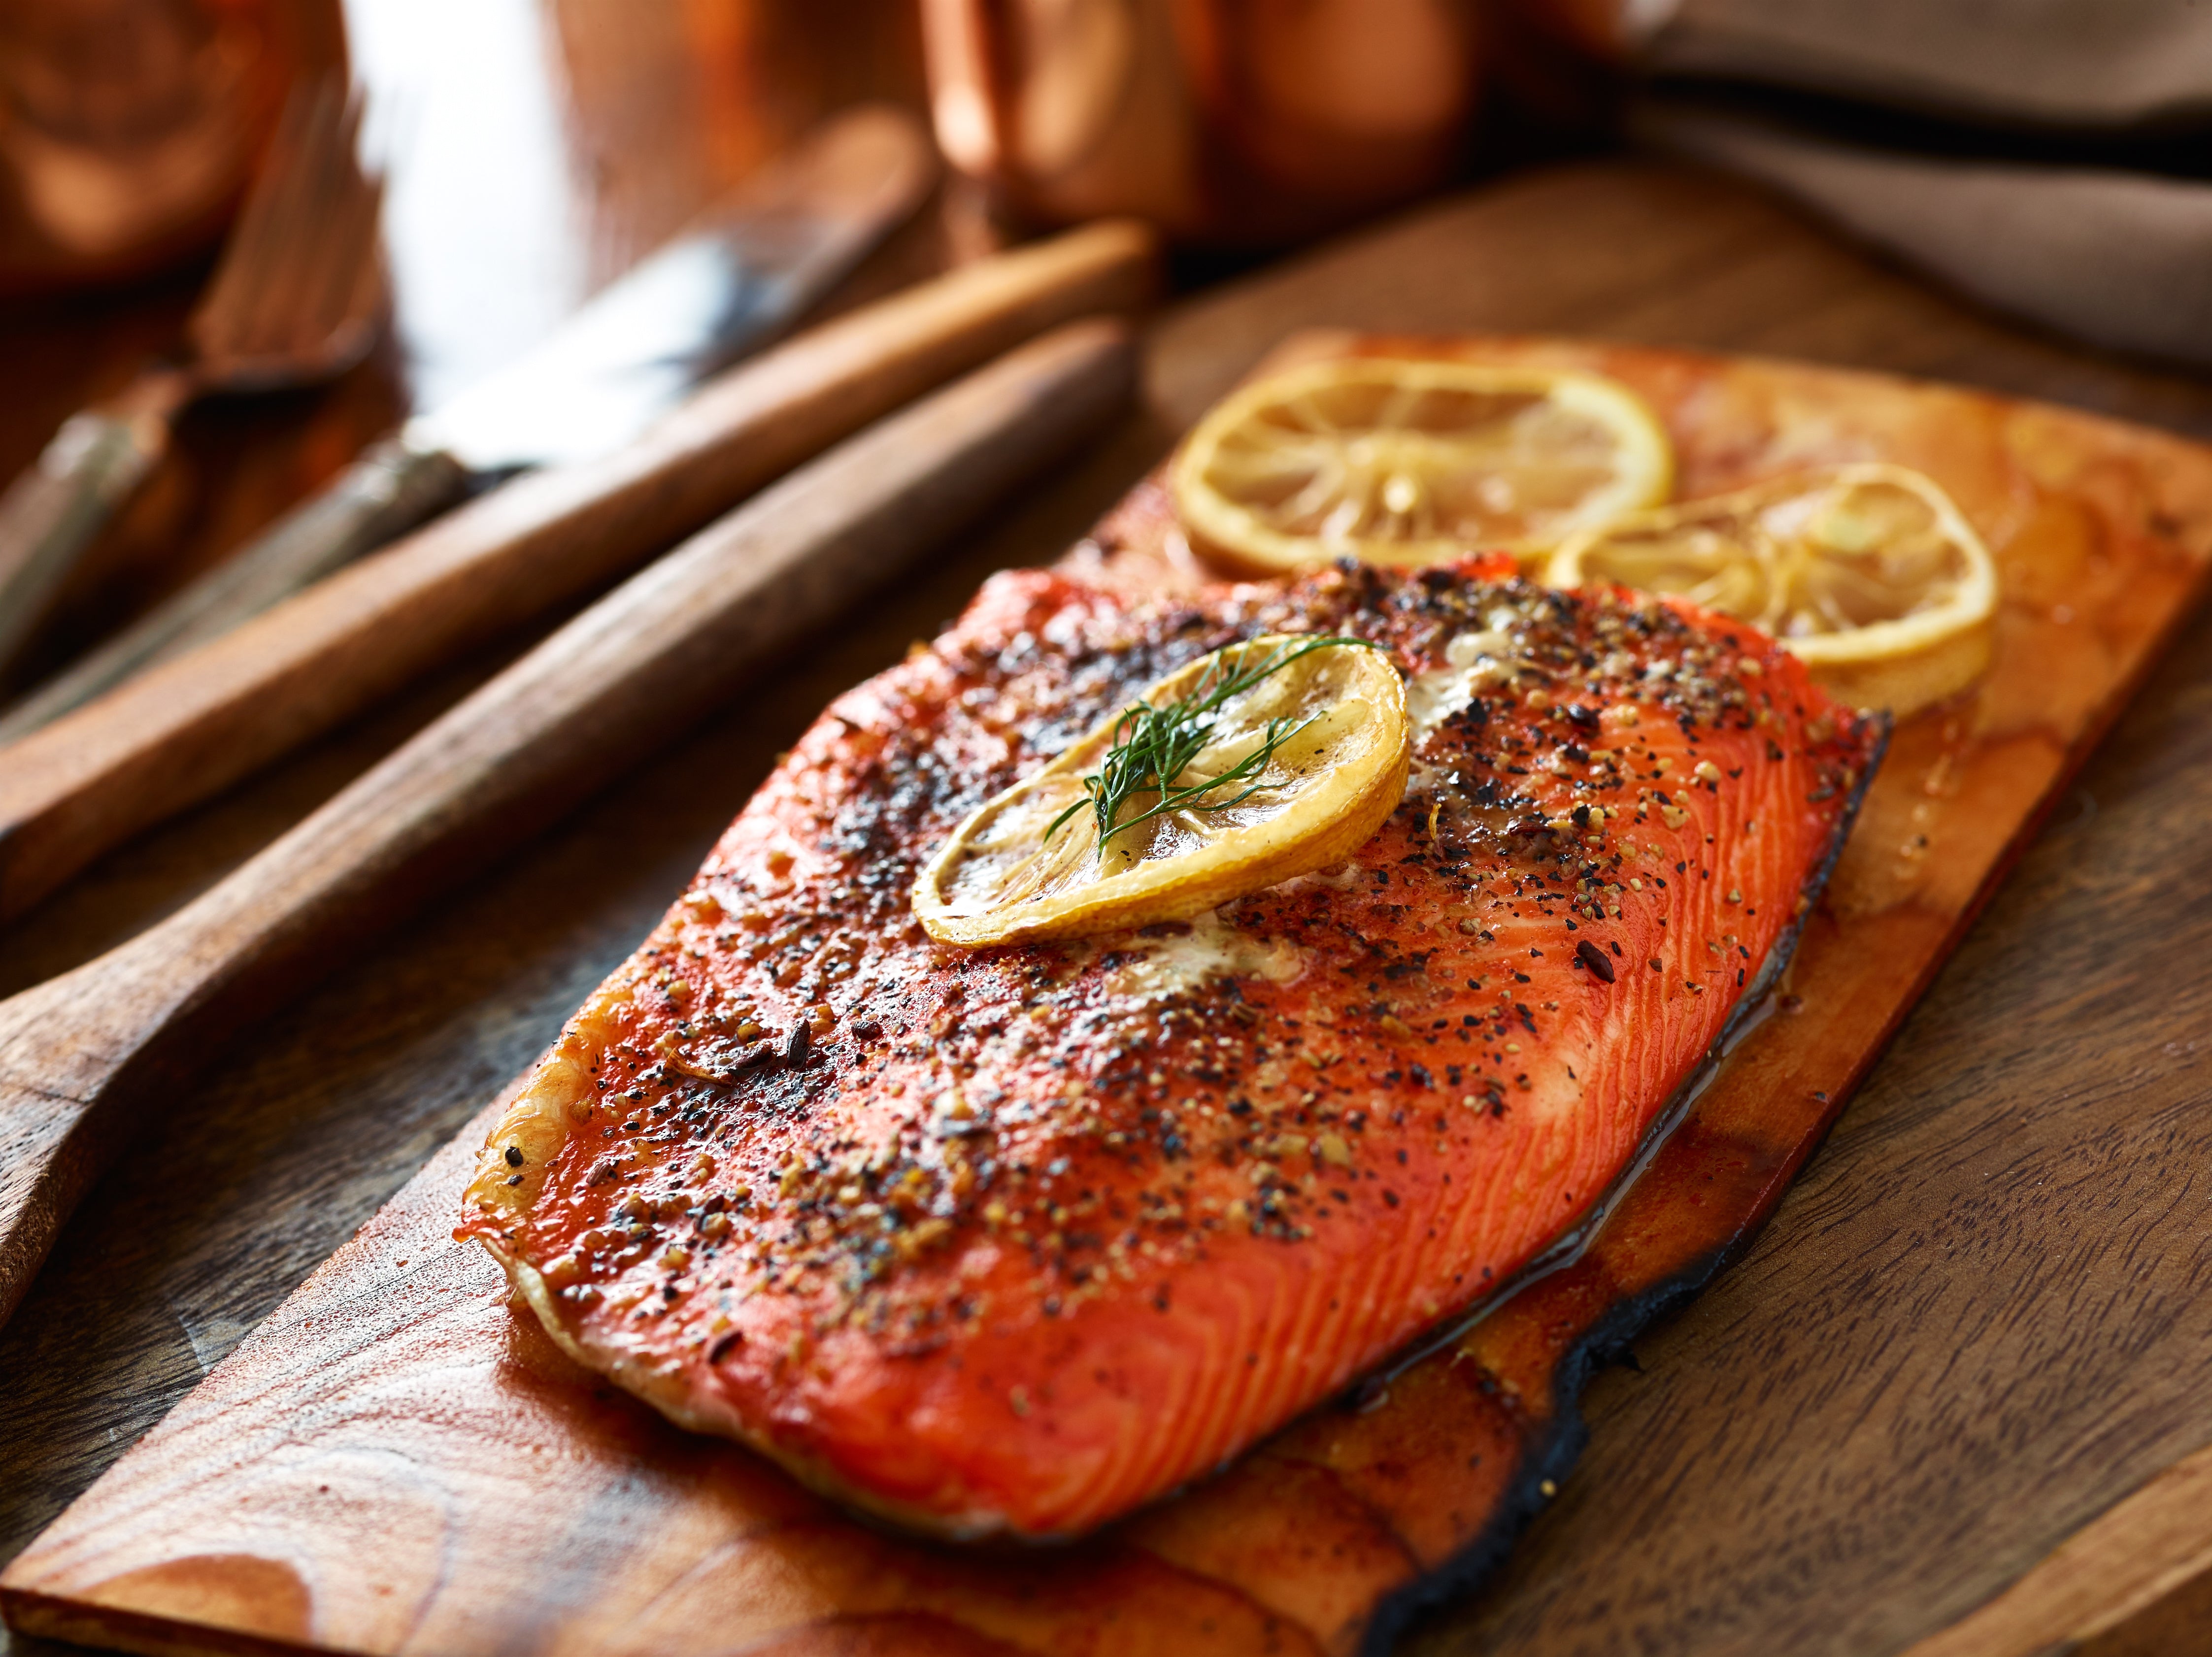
pixel 1403 462
pixel 1834 558
pixel 1858 569
pixel 1337 770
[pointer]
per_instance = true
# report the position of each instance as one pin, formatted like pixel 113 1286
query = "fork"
pixel 299 297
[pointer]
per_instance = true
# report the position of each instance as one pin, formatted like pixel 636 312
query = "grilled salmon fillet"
pixel 1013 1240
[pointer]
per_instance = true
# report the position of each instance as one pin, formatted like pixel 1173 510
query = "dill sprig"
pixel 1153 746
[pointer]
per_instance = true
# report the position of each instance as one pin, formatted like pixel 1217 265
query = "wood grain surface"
pixel 1970 1330
pixel 189 728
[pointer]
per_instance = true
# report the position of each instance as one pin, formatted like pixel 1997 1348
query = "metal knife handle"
pixel 388 491
pixel 50 513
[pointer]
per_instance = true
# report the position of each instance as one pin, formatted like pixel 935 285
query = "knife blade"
pixel 737 279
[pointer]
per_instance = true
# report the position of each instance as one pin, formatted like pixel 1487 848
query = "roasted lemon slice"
pixel 1406 462
pixel 1867 572
pixel 1262 761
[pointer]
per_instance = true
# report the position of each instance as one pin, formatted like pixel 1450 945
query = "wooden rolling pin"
pixel 190 727
pixel 81 1055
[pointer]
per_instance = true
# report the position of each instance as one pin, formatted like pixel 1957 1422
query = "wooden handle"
pixel 80 1052
pixel 52 512
pixel 189 728
pixel 382 495
pixel 815 211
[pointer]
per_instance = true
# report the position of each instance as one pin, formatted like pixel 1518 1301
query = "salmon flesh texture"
pixel 1014 1240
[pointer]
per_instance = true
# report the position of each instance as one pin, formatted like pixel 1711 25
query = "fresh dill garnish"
pixel 1152 746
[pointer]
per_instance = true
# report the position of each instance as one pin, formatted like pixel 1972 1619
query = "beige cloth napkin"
pixel 2056 62
pixel 2119 257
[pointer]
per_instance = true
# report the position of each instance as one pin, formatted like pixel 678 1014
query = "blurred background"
pixel 2046 155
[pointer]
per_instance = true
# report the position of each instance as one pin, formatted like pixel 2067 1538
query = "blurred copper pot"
pixel 128 128
pixel 1223 121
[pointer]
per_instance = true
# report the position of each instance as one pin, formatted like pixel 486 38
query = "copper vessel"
pixel 128 128
pixel 1223 121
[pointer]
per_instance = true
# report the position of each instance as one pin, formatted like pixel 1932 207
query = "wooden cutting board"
pixel 394 1462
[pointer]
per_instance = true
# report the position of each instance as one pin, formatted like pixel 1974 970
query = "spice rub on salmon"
pixel 1013 1240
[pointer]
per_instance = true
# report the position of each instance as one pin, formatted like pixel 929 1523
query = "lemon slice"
pixel 1291 772
pixel 1869 573
pixel 1409 463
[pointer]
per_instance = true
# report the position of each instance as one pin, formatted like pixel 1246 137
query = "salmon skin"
pixel 1010 1241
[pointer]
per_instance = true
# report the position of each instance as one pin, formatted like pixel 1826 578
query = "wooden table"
pixel 1795 1464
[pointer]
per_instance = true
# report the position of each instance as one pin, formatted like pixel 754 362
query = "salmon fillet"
pixel 1014 1240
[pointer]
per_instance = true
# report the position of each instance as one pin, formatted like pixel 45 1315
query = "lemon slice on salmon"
pixel 1264 760
pixel 1869 573
pixel 1406 462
